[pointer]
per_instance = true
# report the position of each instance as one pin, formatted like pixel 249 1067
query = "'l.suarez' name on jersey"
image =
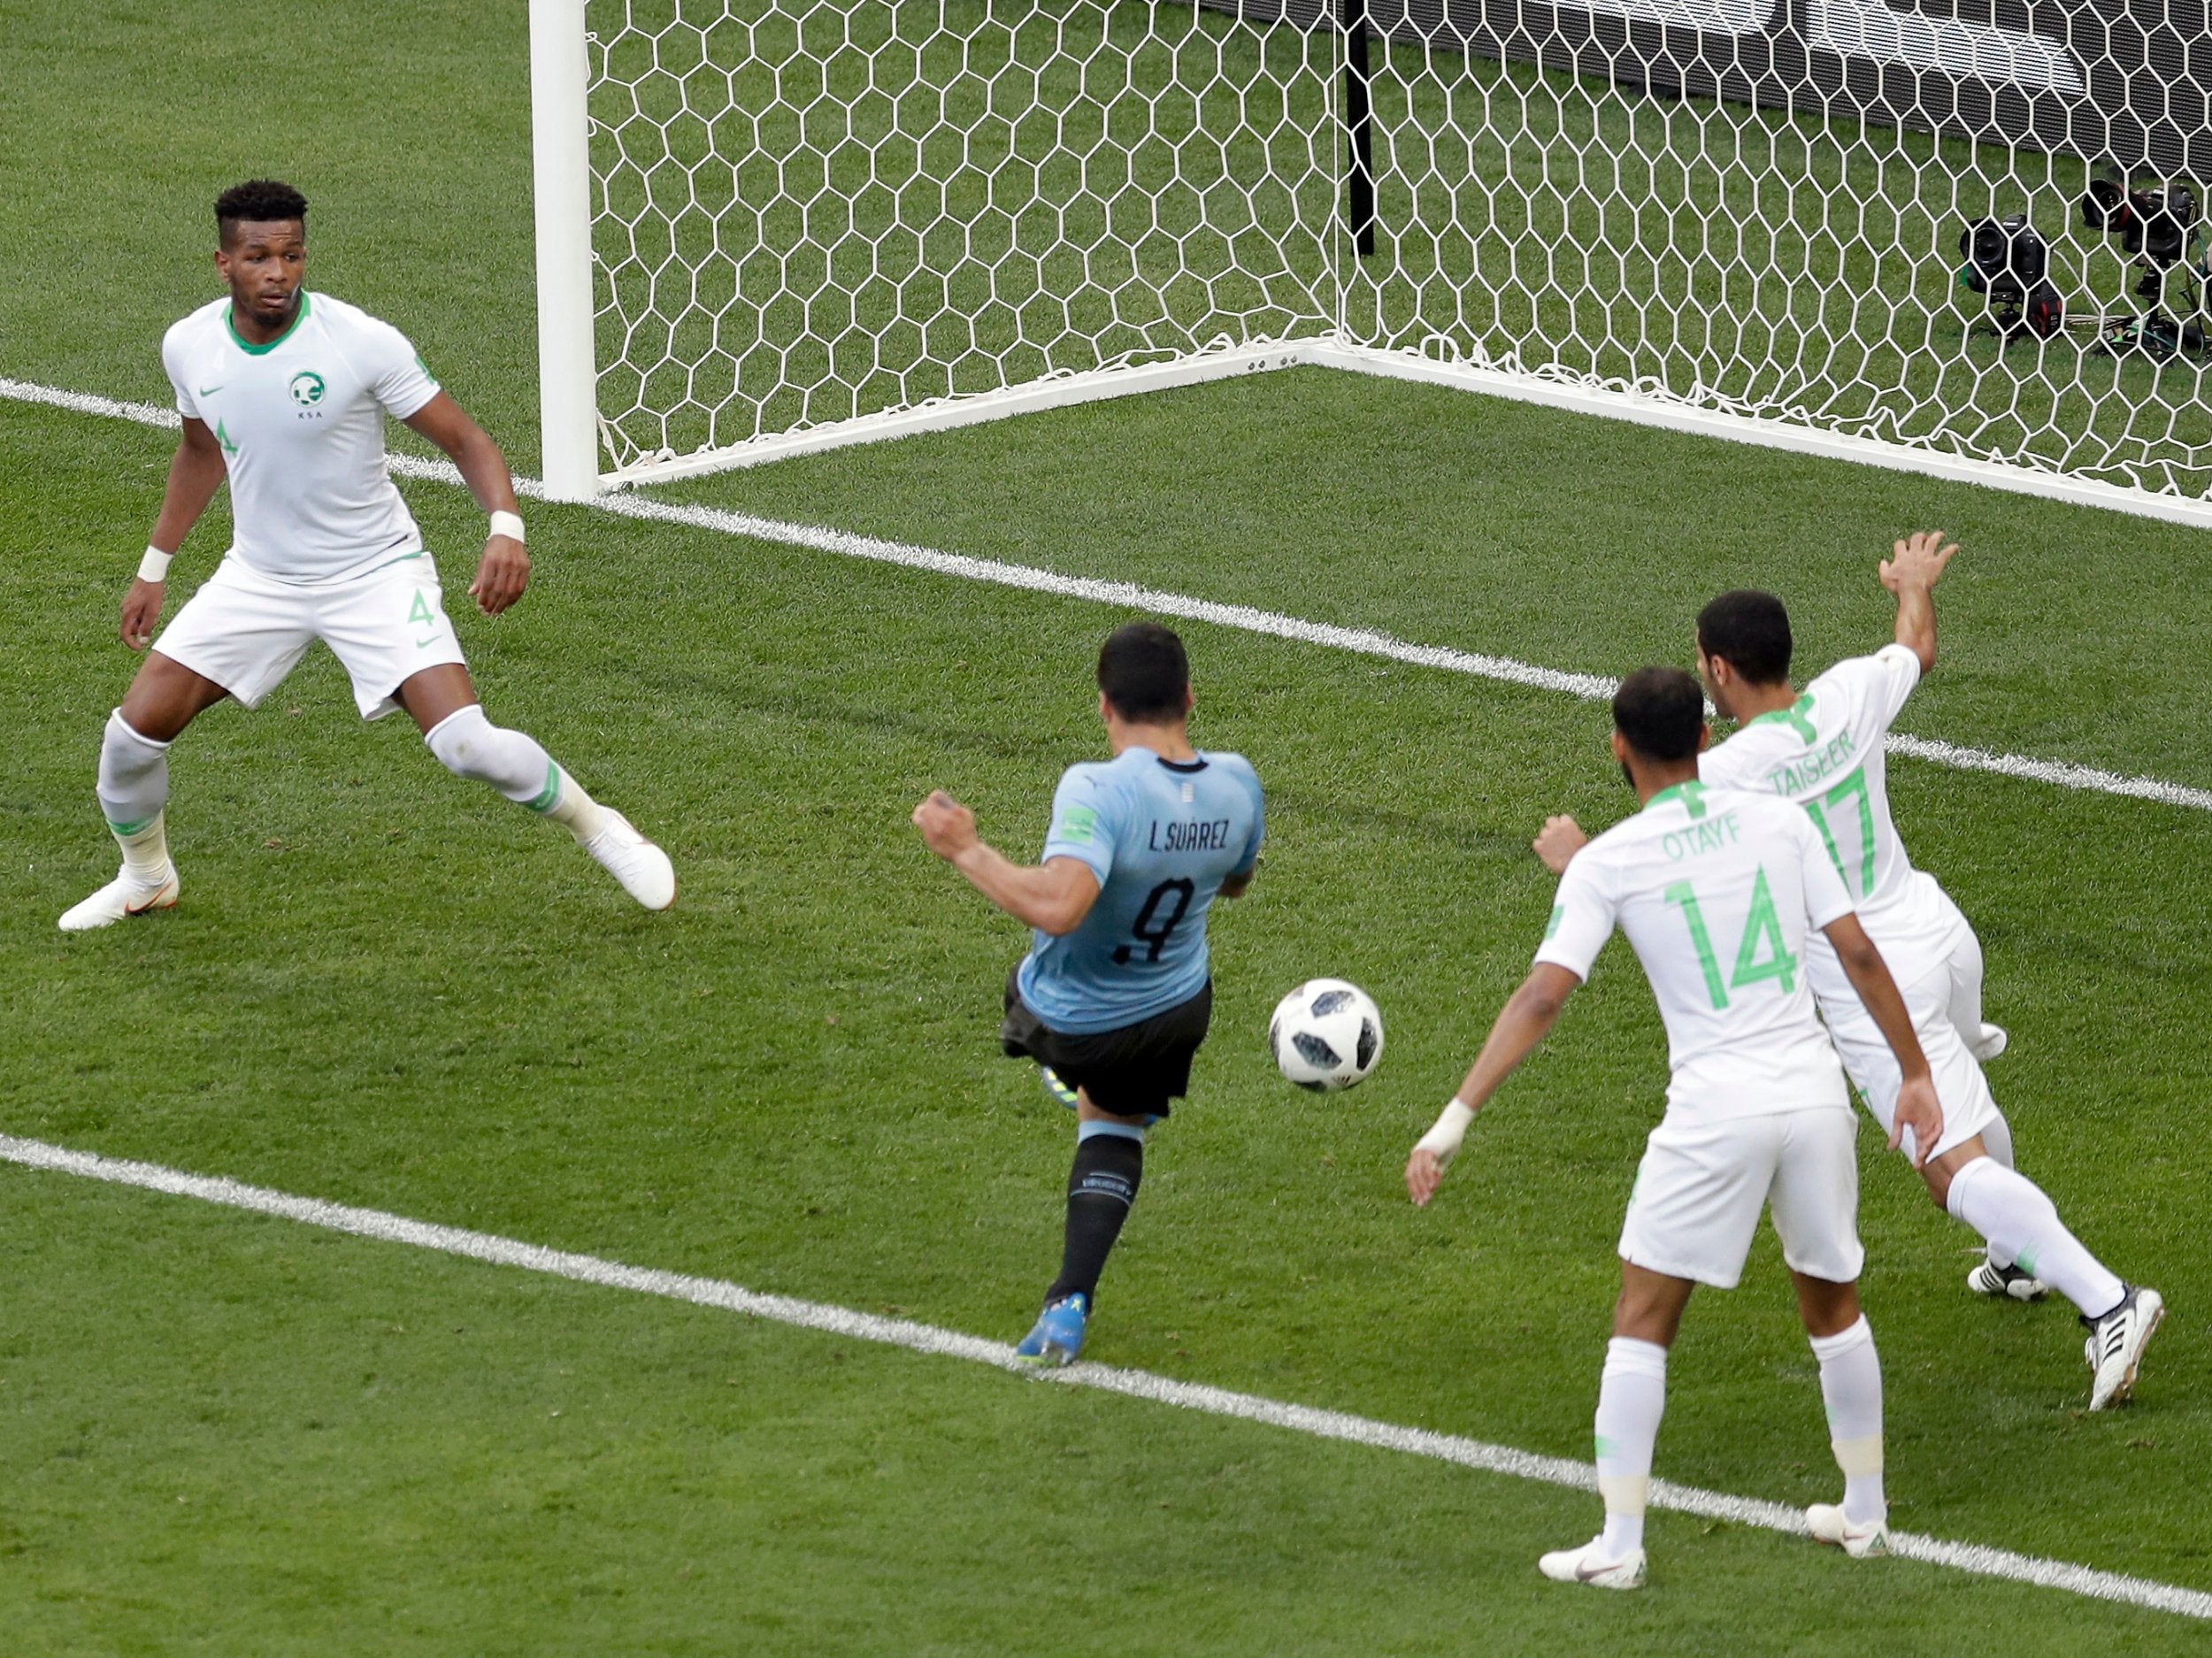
pixel 1161 836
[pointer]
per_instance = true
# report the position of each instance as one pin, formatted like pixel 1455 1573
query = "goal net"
pixel 768 226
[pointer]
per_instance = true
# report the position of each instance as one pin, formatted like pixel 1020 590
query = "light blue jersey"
pixel 1162 836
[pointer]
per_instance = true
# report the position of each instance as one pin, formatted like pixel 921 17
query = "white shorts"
pixel 1700 1186
pixel 1936 989
pixel 246 630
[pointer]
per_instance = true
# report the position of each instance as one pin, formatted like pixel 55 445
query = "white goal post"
pixel 766 228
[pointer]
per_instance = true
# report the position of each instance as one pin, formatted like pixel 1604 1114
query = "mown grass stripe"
pixel 1129 595
pixel 842 1321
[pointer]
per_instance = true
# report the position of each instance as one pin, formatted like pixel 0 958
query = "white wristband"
pixel 155 565
pixel 1450 1128
pixel 507 523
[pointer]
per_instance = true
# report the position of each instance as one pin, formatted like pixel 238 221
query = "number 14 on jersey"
pixel 1762 929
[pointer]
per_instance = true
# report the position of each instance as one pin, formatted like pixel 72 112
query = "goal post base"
pixel 1061 391
pixel 942 414
pixel 1643 408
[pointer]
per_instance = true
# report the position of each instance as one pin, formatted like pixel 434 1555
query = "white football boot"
pixel 1866 1541
pixel 124 896
pixel 1989 1044
pixel 2116 1344
pixel 1989 1279
pixel 1588 1564
pixel 642 868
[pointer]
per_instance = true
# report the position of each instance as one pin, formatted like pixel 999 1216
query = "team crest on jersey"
pixel 307 388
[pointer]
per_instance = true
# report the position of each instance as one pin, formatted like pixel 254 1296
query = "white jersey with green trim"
pixel 301 423
pixel 1717 890
pixel 1827 754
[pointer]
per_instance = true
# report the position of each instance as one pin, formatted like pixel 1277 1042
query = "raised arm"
pixel 195 473
pixel 1917 1108
pixel 1912 569
pixel 1052 896
pixel 1525 1020
pixel 504 570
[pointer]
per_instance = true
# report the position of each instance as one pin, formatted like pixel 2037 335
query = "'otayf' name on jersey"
pixel 1717 890
pixel 1826 753
pixel 301 423
pixel 1162 836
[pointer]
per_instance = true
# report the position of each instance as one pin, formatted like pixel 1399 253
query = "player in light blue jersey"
pixel 1114 997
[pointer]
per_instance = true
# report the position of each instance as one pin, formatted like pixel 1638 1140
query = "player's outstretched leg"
pixel 1851 1386
pixel 1631 1398
pixel 134 788
pixel 2023 1224
pixel 1101 1186
pixel 468 745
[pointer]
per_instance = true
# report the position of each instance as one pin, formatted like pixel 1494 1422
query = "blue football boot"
pixel 1057 1089
pixel 1056 1086
pixel 1058 1336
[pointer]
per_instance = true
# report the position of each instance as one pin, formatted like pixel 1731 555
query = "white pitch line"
pixel 1128 596
pixel 899 1332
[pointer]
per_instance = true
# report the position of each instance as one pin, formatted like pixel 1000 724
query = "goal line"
pixel 1976 1558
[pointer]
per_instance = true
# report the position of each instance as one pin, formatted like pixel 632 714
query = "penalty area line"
pixel 1219 1402
pixel 1130 595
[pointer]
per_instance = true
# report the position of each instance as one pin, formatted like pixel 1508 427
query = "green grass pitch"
pixel 227 1434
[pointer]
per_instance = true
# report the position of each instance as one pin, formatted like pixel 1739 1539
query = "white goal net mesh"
pixel 817 210
pixel 810 212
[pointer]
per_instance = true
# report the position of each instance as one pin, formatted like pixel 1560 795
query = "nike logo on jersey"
pixel 208 391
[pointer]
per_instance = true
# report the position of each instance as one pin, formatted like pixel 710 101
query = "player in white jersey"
pixel 284 393
pixel 1823 749
pixel 1720 893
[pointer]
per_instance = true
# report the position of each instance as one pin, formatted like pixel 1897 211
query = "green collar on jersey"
pixel 299 317
pixel 1691 794
pixel 1798 718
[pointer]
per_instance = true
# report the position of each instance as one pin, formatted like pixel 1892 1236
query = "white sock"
pixel 575 810
pixel 1997 1140
pixel 468 745
pixel 132 788
pixel 1851 1385
pixel 1631 1397
pixel 2012 1212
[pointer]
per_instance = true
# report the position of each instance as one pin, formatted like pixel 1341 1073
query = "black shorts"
pixel 1132 1071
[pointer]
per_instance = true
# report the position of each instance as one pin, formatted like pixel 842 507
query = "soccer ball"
pixel 1326 1034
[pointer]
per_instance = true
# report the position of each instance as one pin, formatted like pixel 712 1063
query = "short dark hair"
pixel 262 200
pixel 1660 710
pixel 1750 632
pixel 1143 672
